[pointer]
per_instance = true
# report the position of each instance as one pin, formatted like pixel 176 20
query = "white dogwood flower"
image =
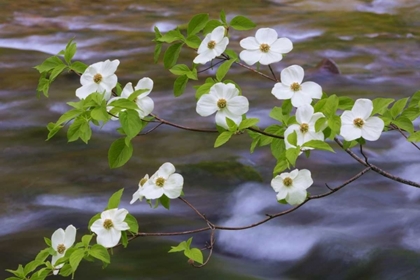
pixel 226 101
pixel 144 102
pixel 214 44
pixel 98 77
pixel 138 195
pixel 108 228
pixel 305 129
pixel 292 186
pixel 265 47
pixel 164 182
pixel 61 240
pixel 358 122
pixel 291 87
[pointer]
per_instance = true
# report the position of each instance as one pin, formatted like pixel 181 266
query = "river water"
pixel 368 230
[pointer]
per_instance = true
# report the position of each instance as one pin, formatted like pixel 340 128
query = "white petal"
pixel 173 186
pixel 207 105
pixel 362 108
pixel 314 119
pixel 221 90
pixel 152 191
pixel 109 67
pixel 347 118
pixel 137 195
pixel 204 44
pixel 84 91
pixel 292 74
pixel 221 118
pixel 350 132
pixel 312 135
pixel 281 91
pixel 282 45
pixel 293 174
pixel 372 128
pixel 311 89
pixel 266 36
pixel 299 99
pixel 277 183
pixel 119 215
pixel 303 179
pixel 57 238
pixel 221 46
pixel 204 57
pixel 217 34
pixel 166 170
pixel 282 193
pixel 69 236
pixel 296 197
pixel 109 83
pixel 109 238
pixel 249 43
pixel 127 91
pixel 289 130
pixel 146 106
pixel 145 83
pixel 97 226
pixel 87 77
pixel 304 114
pixel 238 105
pixel 270 57
pixel 250 56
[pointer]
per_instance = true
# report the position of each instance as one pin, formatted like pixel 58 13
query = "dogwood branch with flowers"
pixel 305 120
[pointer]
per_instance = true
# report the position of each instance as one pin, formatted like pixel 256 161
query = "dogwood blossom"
pixel 305 129
pixel 291 87
pixel 138 195
pixel 214 44
pixel 164 182
pixel 98 77
pixel 143 101
pixel 225 100
pixel 108 228
pixel 292 186
pixel 358 123
pixel 265 47
pixel 61 240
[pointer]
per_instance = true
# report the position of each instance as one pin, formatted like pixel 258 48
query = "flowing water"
pixel 368 230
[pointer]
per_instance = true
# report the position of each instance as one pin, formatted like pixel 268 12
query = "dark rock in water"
pixel 328 65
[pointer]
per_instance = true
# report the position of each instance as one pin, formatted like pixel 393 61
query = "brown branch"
pixel 183 127
pixel 265 133
pixel 395 127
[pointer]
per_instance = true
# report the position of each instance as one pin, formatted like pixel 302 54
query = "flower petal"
pixel 281 91
pixel 137 195
pixel 311 89
pixel 249 43
pixel 296 197
pixel 221 118
pixel 266 36
pixel 84 91
pixel 303 180
pixel 282 45
pixel 204 44
pixel 119 215
pixel 250 56
pixel 217 34
pixel 146 105
pixel 57 238
pixel 270 57
pixel 207 105
pixel 151 191
pixel 304 114
pixel 144 83
pixel 204 57
pixel 173 186
pixel 372 128
pixel 350 132
pixel 109 238
pixel 166 170
pixel 362 108
pixel 347 118
pixel 277 183
pixel 97 226
pixel 221 46
pixel 292 74
pixel 238 105
pixel 109 67
pixel 69 236
pixel 127 90
pixel 299 99
pixel 109 83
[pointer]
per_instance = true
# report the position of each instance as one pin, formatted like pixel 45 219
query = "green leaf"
pixel 93 219
pixel 132 223
pixel 248 123
pixel 66 270
pixel 330 106
pixel 114 200
pixel 49 64
pixel 398 107
pixel 43 254
pixel 70 51
pixel 194 254
pixel 232 54
pixel 181 247
pixel 86 239
pixel 349 144
pixel 78 67
pixel 292 155
pixel 156 52
pixel 415 99
pixel 223 138
pixel 193 41
pixel 287 107
pixel 232 125
pixel 57 71
pixel 31 266
pixel 69 115
pixel 319 145
pixel 180 69
pixel 180 84
pixel 404 123
pixel 119 153
pixel 223 16
pixel 165 201
pixel 124 103
pixel 320 124
pixel 415 137
pixel 131 122
pixel 278 148
pixel 277 114
pixel 242 23
pixel 223 69
pixel 79 129
pixel 334 123
pixel 171 55
pixel 53 129
pixel 47 241
pixel 43 86
pixel 211 25
pixel 282 164
pixel 411 113
pixel 18 272
pixel 204 88
pixel 197 23
pixel 380 105
pixel 171 36
pixel 75 258
pixel 345 103
pixel 100 252
pixel 292 138
pixel 100 113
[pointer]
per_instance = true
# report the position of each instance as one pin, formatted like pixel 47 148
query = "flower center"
pixel 108 224
pixel 264 48
pixel 61 248
pixel 97 78
pixel 211 45
pixel 160 182
pixel 287 181
pixel 221 103
pixel 142 181
pixel 295 87
pixel 358 122
pixel 304 128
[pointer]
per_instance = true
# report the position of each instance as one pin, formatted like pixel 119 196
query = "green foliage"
pixel 319 145
pixel 380 105
pixel 171 55
pixel 242 23
pixel 180 85
pixel 204 88
pixel 191 253
pixel 119 153
pixel 197 23
pixel 223 138
pixel 132 223
pixel 223 69
pixel 100 252
pixel 114 200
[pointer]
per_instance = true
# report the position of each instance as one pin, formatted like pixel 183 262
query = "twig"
pixel 405 136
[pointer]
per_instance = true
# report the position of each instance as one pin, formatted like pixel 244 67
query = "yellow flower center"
pixel 295 87
pixel 358 122
pixel 61 248
pixel 304 128
pixel 264 48
pixel 160 182
pixel 211 44
pixel 142 181
pixel 97 78
pixel 221 103
pixel 108 224
pixel 287 181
